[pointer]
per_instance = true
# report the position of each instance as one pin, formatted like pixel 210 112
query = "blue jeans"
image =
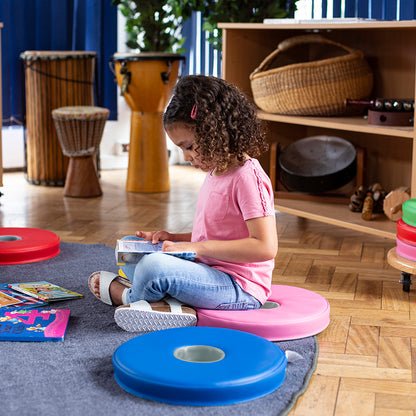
pixel 157 275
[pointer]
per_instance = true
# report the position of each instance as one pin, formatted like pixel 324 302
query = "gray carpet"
pixel 75 377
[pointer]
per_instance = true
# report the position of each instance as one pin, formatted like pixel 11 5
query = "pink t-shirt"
pixel 225 202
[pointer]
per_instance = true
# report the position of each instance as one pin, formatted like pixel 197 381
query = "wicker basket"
pixel 316 88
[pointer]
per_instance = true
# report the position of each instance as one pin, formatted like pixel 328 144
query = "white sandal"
pixel 106 278
pixel 143 316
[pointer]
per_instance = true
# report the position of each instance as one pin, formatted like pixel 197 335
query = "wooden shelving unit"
pixel 390 152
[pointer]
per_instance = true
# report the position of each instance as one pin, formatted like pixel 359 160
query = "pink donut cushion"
pixel 405 250
pixel 290 313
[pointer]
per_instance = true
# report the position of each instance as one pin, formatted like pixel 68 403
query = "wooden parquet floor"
pixel 367 358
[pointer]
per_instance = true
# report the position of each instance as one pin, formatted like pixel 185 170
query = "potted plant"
pixel 156 25
pixel 237 11
pixel 146 78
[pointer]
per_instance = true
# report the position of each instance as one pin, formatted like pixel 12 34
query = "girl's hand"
pixel 181 246
pixel 154 236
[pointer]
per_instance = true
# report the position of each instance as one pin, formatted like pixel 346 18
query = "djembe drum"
pixel 53 79
pixel 80 130
pixel 146 81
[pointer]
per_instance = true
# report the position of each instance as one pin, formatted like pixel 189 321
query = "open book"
pixel 131 251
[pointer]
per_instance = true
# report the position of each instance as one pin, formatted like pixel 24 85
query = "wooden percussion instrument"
pixel 80 130
pixel 146 81
pixel 387 111
pixel 392 205
pixel 53 79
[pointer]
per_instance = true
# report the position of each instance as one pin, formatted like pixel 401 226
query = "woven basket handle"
pixel 291 42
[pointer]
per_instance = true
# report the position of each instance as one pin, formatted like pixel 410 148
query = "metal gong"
pixel 317 164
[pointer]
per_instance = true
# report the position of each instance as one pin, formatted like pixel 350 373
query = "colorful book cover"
pixel 24 301
pixel 131 251
pixel 33 324
pixel 45 291
pixel 7 299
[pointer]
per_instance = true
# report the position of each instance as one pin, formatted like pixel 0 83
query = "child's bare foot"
pixel 108 287
pixel 116 290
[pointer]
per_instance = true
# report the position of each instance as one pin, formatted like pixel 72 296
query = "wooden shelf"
pixel 357 124
pixel 390 152
pixel 339 215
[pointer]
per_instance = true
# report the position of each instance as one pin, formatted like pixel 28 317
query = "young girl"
pixel 234 233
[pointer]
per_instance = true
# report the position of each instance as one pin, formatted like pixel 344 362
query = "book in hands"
pixel 19 300
pixel 131 251
pixel 33 324
pixel 48 292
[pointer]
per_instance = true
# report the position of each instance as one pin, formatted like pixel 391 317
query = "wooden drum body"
pixel 80 129
pixel 53 79
pixel 146 81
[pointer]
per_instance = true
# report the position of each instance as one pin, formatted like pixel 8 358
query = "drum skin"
pixel 318 164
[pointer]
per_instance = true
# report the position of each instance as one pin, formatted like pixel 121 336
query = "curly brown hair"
pixel 225 125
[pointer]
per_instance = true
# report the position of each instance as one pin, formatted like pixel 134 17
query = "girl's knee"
pixel 150 278
pixel 130 237
pixel 151 264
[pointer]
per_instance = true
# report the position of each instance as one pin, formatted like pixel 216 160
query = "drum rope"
pixel 59 78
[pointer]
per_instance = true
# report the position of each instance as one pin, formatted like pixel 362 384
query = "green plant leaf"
pixel 156 25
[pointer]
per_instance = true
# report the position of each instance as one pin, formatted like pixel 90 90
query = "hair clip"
pixel 193 112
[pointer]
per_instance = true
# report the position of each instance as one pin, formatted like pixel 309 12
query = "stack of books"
pixel 20 318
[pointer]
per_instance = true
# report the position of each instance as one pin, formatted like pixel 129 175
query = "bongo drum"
pixel 80 130
pixel 146 81
pixel 53 79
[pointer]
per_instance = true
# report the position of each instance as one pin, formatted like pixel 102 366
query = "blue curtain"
pixel 56 25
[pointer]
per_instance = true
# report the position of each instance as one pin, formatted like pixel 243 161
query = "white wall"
pixel 117 132
pixel 13 149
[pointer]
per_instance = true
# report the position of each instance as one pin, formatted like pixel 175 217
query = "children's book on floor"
pixel 131 251
pixel 33 324
pixel 7 300
pixel 11 299
pixel 45 291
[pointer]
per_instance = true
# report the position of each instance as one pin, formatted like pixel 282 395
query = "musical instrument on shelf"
pixel 393 202
pixel 383 104
pixel 53 79
pixel 387 111
pixel 317 164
